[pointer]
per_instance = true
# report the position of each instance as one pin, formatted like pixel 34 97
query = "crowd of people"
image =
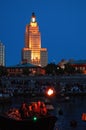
pixel 27 111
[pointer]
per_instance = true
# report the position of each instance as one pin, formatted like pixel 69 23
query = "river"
pixel 72 110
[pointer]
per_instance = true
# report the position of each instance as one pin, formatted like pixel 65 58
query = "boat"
pixel 12 120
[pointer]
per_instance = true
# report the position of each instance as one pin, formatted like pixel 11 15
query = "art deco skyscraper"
pixel 2 54
pixel 32 52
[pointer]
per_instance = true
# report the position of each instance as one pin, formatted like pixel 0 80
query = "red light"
pixel 84 116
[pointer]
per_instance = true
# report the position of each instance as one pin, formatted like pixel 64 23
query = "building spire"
pixel 33 14
pixel 33 18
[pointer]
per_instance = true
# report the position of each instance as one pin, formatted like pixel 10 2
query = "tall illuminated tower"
pixel 32 52
pixel 2 54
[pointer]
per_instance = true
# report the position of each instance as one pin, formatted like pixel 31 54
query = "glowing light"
pixel 33 19
pixel 34 118
pixel 84 116
pixel 50 92
pixel 33 24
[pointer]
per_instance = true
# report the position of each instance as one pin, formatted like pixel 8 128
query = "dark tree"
pixel 69 69
pixel 51 69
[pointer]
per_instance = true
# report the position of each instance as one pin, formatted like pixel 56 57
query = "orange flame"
pixel 50 92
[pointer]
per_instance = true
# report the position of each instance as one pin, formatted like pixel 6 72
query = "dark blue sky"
pixel 62 24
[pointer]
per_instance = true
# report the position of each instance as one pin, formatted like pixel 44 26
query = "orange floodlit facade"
pixel 32 52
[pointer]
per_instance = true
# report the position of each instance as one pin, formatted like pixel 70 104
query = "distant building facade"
pixel 32 52
pixel 25 69
pixel 80 65
pixel 2 54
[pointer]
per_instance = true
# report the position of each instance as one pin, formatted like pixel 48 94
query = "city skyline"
pixel 62 25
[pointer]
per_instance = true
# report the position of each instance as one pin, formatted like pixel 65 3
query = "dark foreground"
pixel 43 123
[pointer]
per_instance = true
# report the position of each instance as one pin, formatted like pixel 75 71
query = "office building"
pixel 32 52
pixel 2 54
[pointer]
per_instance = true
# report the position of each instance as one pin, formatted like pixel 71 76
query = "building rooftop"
pixel 79 62
pixel 23 65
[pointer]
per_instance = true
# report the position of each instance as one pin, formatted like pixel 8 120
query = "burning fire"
pixel 50 92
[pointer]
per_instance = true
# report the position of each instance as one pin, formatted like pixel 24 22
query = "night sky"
pixel 62 24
